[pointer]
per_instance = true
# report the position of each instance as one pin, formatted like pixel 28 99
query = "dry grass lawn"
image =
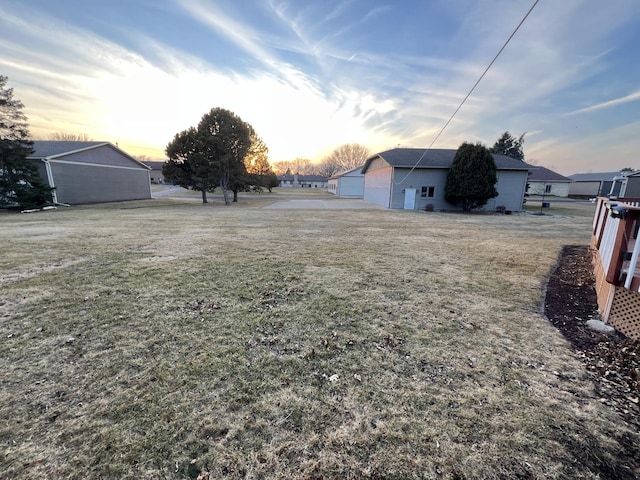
pixel 171 339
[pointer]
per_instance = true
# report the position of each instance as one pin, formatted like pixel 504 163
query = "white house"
pixel 415 179
pixel 543 181
pixel 349 184
pixel 302 181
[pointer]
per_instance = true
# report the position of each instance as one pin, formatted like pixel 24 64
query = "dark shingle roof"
pixel 50 148
pixel 436 158
pixel 542 174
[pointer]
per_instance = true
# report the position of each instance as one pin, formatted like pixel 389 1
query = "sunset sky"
pixel 311 75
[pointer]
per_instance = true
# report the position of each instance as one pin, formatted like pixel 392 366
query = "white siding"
pixel 377 184
pixel 559 189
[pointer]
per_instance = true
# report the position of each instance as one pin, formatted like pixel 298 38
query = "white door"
pixel 410 198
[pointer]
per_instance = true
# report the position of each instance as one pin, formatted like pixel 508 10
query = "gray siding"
pixel 77 184
pixel 351 187
pixel 632 188
pixel 105 155
pixel 585 189
pixel 511 187
pixel 417 179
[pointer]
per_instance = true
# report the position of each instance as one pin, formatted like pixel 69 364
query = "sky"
pixel 312 75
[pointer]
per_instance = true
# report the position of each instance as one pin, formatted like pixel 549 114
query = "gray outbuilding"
pixel 415 179
pixel 349 184
pixel 91 172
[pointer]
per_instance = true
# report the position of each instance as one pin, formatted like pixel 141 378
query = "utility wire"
pixel 470 92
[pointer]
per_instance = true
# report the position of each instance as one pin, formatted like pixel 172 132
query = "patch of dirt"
pixel 612 359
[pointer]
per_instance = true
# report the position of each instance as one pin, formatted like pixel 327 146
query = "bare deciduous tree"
pixel 345 157
pixel 70 137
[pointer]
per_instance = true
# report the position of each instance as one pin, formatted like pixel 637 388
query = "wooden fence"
pixel 616 263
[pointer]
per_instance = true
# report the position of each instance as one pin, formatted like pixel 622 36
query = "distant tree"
pixel 327 168
pixel 20 182
pixel 257 164
pixel 346 157
pixel 209 155
pixel 70 137
pixel 510 146
pixel 472 178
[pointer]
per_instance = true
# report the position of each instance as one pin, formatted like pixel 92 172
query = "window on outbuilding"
pixel 427 192
pixel 547 189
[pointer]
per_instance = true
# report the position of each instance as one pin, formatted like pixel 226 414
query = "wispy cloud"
pixel 632 97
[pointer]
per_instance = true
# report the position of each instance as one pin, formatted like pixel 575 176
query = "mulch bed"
pixel 612 359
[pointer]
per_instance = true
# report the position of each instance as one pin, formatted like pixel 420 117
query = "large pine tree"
pixel 509 145
pixel 20 182
pixel 472 178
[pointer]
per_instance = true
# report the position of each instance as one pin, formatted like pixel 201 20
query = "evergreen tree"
pixel 210 155
pixel 472 178
pixel 20 182
pixel 509 145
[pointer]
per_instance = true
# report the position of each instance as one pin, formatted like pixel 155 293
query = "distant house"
pixel 415 178
pixel 156 171
pixel 349 184
pixel 589 185
pixel 91 172
pixel 302 181
pixel 543 181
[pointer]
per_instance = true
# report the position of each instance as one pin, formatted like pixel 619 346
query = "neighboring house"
pixel 156 170
pixel 543 181
pixel 415 178
pixel 616 263
pixel 302 181
pixel 91 172
pixel 589 185
pixel 349 184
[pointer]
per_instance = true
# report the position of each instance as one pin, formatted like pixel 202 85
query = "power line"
pixel 470 91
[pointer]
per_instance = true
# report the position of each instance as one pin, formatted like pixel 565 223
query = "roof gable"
pixel 57 150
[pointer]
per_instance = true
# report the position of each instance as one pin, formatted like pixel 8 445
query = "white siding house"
pixel 349 184
pixel 415 178
pixel 543 181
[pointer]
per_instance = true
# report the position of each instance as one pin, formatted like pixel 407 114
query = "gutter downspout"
pixel 47 166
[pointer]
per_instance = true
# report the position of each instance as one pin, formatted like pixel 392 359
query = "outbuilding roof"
pixel 594 177
pixel 52 149
pixel 436 158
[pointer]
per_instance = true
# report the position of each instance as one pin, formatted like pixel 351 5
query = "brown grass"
pixel 166 339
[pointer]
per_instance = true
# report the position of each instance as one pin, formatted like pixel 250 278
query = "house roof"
pixel 51 149
pixel 594 177
pixel 542 174
pixel 436 158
